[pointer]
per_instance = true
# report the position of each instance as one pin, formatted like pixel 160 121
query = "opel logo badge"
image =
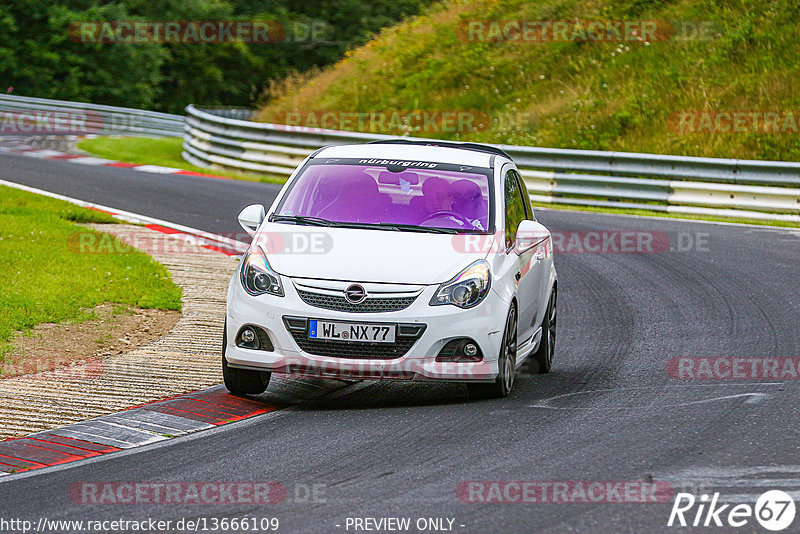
pixel 355 294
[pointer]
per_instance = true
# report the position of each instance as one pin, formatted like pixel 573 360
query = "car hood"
pixel 358 255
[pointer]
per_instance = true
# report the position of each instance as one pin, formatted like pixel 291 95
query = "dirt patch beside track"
pixel 114 329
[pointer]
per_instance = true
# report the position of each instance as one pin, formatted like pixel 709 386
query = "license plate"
pixel 359 332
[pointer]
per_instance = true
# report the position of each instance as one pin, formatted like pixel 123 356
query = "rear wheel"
pixel 542 360
pixel 507 364
pixel 242 381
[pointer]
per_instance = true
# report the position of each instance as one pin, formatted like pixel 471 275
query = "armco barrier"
pixel 767 190
pixel 96 119
pixel 226 138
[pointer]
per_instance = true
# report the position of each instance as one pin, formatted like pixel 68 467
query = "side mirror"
pixel 251 218
pixel 530 234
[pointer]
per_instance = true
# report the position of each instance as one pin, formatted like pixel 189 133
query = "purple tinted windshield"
pixel 372 194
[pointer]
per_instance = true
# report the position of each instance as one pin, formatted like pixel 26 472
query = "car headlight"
pixel 467 289
pixel 257 276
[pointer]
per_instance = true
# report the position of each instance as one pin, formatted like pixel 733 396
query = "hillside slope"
pixel 706 58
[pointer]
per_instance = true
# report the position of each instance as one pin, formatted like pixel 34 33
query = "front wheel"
pixel 242 381
pixel 507 364
pixel 542 360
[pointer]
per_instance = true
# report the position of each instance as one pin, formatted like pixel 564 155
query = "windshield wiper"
pixel 398 227
pixel 318 221
pixel 303 219
pixel 415 228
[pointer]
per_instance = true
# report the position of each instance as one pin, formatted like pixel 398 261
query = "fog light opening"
pixel 461 350
pixel 253 338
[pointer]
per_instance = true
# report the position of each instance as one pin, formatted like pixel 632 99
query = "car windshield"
pixel 445 197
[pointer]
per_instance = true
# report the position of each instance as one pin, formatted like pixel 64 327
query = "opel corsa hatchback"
pixel 394 260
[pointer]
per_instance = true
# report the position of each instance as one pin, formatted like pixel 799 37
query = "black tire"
pixel 541 361
pixel 504 382
pixel 242 381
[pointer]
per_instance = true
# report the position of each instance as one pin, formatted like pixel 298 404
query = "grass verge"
pixel 165 152
pixel 47 280
pixel 637 93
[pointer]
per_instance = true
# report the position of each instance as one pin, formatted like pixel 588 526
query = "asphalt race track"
pixel 609 411
pixel 203 203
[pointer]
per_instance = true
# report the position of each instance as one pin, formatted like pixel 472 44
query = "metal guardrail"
pixel 92 119
pixel 227 138
pixel 767 190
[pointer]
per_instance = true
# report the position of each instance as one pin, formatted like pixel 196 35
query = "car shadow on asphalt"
pixel 387 394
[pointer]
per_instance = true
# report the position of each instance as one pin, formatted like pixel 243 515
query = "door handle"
pixel 518 275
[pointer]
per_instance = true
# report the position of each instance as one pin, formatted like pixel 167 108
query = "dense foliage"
pixel 38 57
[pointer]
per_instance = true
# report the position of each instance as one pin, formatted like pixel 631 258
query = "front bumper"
pixel 483 323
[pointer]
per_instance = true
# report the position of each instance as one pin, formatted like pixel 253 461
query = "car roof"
pixel 412 152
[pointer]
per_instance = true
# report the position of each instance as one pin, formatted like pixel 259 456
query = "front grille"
pixel 407 335
pixel 358 351
pixel 370 304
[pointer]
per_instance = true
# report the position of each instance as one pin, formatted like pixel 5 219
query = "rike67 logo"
pixel 774 510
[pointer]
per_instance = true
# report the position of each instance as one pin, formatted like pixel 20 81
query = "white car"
pixel 394 260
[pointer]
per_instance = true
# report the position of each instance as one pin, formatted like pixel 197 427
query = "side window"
pixel 515 207
pixel 529 215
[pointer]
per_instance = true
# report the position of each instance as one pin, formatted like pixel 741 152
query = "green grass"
pixel 165 152
pixel 46 278
pixel 582 95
